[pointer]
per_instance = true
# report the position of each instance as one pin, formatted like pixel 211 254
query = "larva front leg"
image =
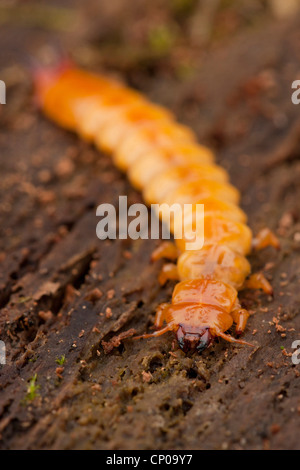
pixel 240 317
pixel 161 315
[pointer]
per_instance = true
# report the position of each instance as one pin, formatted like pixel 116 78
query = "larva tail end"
pixel 44 77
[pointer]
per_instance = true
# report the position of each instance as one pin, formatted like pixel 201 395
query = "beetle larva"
pixel 163 159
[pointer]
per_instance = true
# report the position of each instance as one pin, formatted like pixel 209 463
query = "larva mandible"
pixel 163 159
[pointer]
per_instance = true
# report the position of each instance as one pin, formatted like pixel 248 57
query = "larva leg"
pixel 160 316
pixel 165 250
pixel 258 281
pixel 231 339
pixel 264 238
pixel 168 271
pixel 240 317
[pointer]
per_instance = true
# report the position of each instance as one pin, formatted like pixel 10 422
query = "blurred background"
pixel 134 38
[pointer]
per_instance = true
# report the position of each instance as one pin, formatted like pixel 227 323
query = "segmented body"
pixel 163 159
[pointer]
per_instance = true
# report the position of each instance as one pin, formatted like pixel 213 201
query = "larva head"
pixel 195 340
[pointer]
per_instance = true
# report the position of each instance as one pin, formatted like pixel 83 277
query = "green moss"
pixel 23 300
pixel 183 7
pixel 61 360
pixel 32 389
pixel 161 39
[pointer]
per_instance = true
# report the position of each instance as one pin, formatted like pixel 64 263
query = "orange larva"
pixel 163 159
